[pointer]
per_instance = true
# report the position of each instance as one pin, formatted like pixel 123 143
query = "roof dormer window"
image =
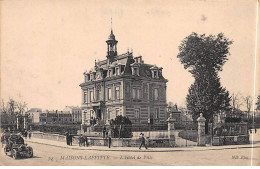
pixel 155 74
pixel 135 69
pixel 117 71
pixel 91 77
pixel 86 77
pixel 109 73
pixel 155 71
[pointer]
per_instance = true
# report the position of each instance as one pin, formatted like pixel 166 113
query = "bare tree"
pixel 21 106
pixel 170 104
pixel 11 106
pixel 258 102
pixel 3 108
pixel 236 101
pixel 249 102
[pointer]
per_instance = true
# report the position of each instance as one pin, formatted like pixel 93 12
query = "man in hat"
pixel 81 140
pixel 109 141
pixel 142 142
pixel 20 140
pixel 67 138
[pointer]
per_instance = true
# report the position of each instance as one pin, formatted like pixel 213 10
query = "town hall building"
pixel 123 85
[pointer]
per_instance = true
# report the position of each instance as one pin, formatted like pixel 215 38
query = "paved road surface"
pixel 50 155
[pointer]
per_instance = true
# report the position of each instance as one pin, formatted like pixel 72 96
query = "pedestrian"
pixel 104 132
pixel 94 121
pixel 3 139
pixel 7 135
pixel 81 140
pixel 85 141
pixel 30 134
pixel 70 139
pixel 142 142
pixel 67 138
pixel 109 141
pixel 25 134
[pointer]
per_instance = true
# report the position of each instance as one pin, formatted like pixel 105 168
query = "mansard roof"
pixel 126 61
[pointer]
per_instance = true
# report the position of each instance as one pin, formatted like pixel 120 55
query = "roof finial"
pixel 111 24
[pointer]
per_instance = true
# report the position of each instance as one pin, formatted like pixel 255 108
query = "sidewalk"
pixel 135 149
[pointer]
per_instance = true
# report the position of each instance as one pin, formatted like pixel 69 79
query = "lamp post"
pixel 149 125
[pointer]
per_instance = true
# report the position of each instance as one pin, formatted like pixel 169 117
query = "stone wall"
pixel 152 134
pixel 95 141
pixel 230 140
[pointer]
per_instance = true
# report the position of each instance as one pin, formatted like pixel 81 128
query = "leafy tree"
pixel 208 97
pixel 204 56
pixel 121 127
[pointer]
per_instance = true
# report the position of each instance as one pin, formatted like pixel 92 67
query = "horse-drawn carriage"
pixel 16 148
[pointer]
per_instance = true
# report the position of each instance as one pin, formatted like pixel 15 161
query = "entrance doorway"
pixel 98 113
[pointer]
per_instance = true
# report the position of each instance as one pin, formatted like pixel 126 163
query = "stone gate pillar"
pixel 201 131
pixel 171 128
pixel 25 122
pixel 17 122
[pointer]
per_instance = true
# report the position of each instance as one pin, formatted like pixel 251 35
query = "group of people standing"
pixel 27 133
pixel 69 138
pixel 83 140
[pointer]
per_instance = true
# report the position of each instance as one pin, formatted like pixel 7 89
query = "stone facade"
pixel 34 114
pixel 76 113
pixel 123 85
pixel 55 117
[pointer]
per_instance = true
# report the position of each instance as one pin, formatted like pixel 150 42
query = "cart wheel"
pixel 14 154
pixel 30 152
pixel 5 151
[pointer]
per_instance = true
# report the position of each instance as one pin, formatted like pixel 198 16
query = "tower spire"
pixel 111 45
pixel 111 24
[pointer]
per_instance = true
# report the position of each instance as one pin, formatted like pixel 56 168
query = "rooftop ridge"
pixel 118 57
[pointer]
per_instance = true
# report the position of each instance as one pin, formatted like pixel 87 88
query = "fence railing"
pixel 229 129
pixel 183 125
pixel 52 128
pixel 134 128
pixel 186 125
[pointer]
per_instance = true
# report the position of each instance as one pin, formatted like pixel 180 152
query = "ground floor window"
pixel 117 112
pixel 91 113
pixel 108 114
pixel 156 113
pixel 137 114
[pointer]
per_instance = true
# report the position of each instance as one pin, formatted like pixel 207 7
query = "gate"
pixel 186 133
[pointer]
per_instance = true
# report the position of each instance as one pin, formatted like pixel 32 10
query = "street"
pixel 51 155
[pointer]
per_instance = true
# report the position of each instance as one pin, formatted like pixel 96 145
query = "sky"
pixel 46 45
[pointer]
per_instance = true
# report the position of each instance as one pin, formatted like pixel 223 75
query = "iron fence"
pixel 55 128
pixel 134 128
pixel 228 129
